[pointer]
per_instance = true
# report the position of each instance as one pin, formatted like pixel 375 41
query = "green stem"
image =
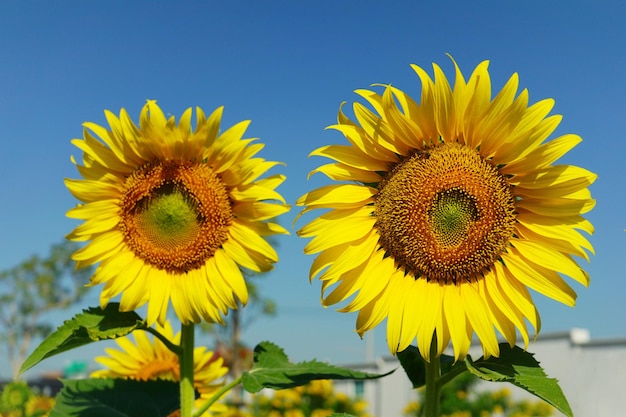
pixel 457 370
pixel 433 387
pixel 217 396
pixel 187 393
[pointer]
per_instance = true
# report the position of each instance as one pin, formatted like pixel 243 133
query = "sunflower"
pixel 172 213
pixel 448 211
pixel 151 360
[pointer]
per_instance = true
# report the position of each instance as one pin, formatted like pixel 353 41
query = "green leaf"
pixel 272 369
pixel 90 326
pixel 521 369
pixel 415 366
pixel 116 398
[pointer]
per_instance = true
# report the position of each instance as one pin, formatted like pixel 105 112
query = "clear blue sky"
pixel 287 66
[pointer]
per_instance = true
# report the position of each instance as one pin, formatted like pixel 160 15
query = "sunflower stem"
pixel 433 387
pixel 204 407
pixel 187 393
pixel 451 374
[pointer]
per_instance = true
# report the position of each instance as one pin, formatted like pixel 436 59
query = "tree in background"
pixel 30 290
pixel 459 398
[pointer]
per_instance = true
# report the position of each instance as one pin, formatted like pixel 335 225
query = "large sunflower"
pixel 150 360
pixel 454 209
pixel 173 213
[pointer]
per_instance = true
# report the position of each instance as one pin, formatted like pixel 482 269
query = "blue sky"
pixel 287 66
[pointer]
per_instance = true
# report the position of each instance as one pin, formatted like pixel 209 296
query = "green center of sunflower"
pixel 452 214
pixel 170 218
pixel 175 215
pixel 445 214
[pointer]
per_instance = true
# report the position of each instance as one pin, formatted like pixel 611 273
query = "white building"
pixel 591 373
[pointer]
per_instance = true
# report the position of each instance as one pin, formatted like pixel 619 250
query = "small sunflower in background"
pixel 172 213
pixel 149 359
pixel 447 212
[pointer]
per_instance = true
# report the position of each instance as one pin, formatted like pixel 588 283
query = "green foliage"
pixel 90 326
pixel 272 369
pixel 521 369
pixel 116 398
pixel 514 365
pixel 415 366
pixel 30 290
pixel 460 398
pixel 104 397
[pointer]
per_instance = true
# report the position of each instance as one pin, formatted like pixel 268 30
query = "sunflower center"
pixel 170 218
pixel 445 213
pixel 452 214
pixel 159 369
pixel 175 215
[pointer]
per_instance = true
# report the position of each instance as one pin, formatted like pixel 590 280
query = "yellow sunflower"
pixel 454 209
pixel 148 359
pixel 173 213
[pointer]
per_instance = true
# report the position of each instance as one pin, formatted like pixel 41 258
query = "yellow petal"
pixel 228 268
pixel 397 289
pixel 349 256
pixel 478 317
pixel 338 196
pixel 351 156
pixel 90 190
pixel 100 247
pixel 374 279
pixel 457 323
pixel 518 294
pixel 548 284
pixel 543 156
pixel 555 207
pixel 259 211
pixel 503 303
pixel 342 172
pixel 551 259
pixel 433 294
pixel 349 230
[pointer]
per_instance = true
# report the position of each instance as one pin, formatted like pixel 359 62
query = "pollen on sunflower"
pixel 453 209
pixel 172 214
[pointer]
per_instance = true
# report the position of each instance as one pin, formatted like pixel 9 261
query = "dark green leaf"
pixel 90 326
pixel 116 398
pixel 272 369
pixel 415 366
pixel 521 369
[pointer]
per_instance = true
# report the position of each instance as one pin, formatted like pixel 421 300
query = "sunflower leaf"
pixel 415 366
pixel 272 369
pixel 101 397
pixel 520 368
pixel 89 326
